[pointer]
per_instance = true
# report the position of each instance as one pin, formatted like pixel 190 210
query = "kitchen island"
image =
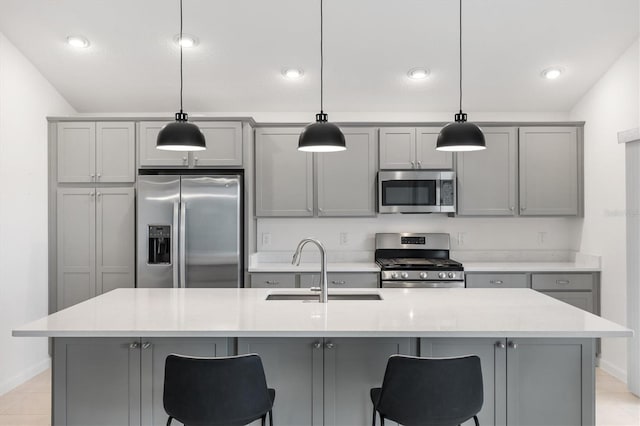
pixel 537 353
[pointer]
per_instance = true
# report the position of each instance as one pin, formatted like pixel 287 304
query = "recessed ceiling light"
pixel 77 41
pixel 187 40
pixel 292 73
pixel 551 73
pixel 418 73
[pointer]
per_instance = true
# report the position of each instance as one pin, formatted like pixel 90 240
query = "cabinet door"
pixel 341 280
pixel 154 354
pixel 347 179
pixel 397 148
pixel 96 382
pixel 487 180
pixel 352 366
pixel 150 155
pixel 273 280
pixel 284 175
pixel 115 239
pixel 224 144
pixel 427 157
pixel 549 171
pixel 76 152
pixel 496 280
pixel 76 230
pixel 492 353
pixel 580 299
pixel 550 382
pixel 293 367
pixel 115 152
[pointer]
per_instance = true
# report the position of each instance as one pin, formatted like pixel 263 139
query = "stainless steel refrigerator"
pixel 189 230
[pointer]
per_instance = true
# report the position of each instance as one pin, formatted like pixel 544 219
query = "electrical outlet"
pixel 344 238
pixel 266 239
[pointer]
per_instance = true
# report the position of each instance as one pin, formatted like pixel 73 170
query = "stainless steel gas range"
pixel 417 261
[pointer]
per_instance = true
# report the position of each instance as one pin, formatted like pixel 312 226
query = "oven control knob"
pixel 452 275
pixel 394 275
pixel 442 275
pixel 404 275
pixel 423 275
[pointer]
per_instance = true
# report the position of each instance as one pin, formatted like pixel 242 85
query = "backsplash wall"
pixel 283 234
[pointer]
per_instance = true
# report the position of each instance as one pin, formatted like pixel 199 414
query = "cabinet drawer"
pixel 341 280
pixel 562 282
pixel 269 280
pixel 496 281
pixel 579 299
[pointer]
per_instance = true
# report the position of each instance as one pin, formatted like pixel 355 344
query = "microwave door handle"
pixel 438 194
pixel 174 246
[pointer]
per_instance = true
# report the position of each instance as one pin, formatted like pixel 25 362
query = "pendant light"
pixel 181 135
pixel 461 135
pixel 321 136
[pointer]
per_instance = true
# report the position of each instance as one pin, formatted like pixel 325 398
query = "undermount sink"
pixel 316 297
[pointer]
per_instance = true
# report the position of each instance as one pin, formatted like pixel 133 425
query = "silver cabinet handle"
pixel 315 289
pixel 92 193
pixel 99 175
pixel 308 209
pixel 341 282
pixel 500 344
pixel 413 166
pixel 99 194
pixel 513 345
pixel 523 208
pixel 329 345
pixel 146 345
pixel 184 160
pixel 93 177
pixel 317 345
pixel 561 282
pixel 512 208
pixel 272 282
pixel 419 164
pixel 320 210
pixel 498 282
pixel 133 345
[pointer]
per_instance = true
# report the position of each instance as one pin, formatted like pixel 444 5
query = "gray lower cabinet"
pixel 117 381
pixel 577 289
pixel 284 175
pixel 492 353
pixel 496 280
pixel 488 179
pixel 323 381
pixel 346 180
pixel 527 382
pixel 342 280
pixel 95 242
pixel 273 280
pixel 549 171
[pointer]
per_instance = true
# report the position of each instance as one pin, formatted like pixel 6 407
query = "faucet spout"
pixel 323 264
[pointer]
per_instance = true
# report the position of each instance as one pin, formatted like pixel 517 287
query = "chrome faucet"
pixel 323 265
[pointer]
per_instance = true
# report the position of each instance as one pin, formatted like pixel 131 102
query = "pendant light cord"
pixel 321 59
pixel 460 54
pixel 180 43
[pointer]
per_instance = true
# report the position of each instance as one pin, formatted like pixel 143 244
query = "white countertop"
pixel 314 267
pixel 529 267
pixel 246 313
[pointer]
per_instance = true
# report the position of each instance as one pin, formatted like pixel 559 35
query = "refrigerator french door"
pixel 189 231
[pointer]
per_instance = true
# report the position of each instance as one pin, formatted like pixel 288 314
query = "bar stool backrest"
pixel 215 391
pixel 431 391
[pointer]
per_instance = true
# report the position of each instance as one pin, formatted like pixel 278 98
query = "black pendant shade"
pixel 321 136
pixel 461 136
pixel 181 136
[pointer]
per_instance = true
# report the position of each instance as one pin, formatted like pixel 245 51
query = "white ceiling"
pixel 132 63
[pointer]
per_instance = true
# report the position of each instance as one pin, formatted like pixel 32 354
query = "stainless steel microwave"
pixel 416 191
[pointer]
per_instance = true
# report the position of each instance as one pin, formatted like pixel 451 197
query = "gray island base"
pixel 537 353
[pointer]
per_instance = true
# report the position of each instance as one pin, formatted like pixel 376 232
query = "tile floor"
pixel 30 403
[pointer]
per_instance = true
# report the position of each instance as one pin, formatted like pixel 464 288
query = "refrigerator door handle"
pixel 174 245
pixel 183 245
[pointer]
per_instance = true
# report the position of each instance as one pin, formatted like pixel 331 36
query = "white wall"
pixel 610 106
pixel 26 98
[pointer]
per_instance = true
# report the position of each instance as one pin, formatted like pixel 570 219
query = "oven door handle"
pixel 423 284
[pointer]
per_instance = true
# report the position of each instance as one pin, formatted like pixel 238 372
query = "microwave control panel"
pixel 446 193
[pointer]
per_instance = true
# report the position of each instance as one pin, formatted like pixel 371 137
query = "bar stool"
pixel 229 391
pixel 429 391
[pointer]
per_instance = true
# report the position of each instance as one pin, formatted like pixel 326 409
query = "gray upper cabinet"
pixel 549 171
pixel 95 239
pixel 284 175
pixel 151 156
pixel 412 148
pixel 487 180
pixel 346 180
pixel 224 144
pixel 76 152
pixel 427 157
pixel 96 152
